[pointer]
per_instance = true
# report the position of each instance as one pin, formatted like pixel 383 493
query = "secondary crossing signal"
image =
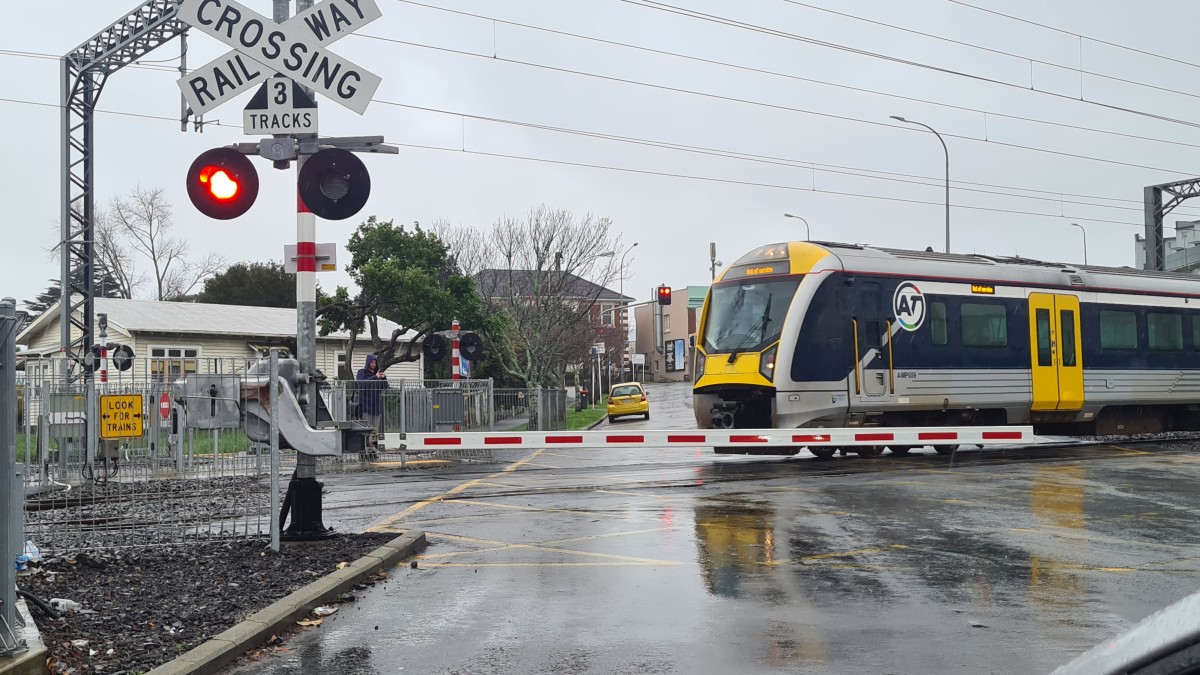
pixel 664 295
pixel 222 183
pixel 334 184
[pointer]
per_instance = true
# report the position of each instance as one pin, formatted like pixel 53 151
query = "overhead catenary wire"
pixel 775 106
pixel 941 38
pixel 798 78
pixel 694 14
pixel 1075 34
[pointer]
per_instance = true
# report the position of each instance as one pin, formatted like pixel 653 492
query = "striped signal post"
pixel 455 363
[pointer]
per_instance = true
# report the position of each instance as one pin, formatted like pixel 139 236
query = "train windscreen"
pixel 747 316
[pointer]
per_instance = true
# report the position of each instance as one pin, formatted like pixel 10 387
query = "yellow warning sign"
pixel 121 416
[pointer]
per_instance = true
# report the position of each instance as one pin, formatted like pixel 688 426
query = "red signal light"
pixel 222 183
pixel 664 295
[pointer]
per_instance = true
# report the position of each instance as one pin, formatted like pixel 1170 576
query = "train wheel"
pixel 869 451
pixel 823 452
pixel 900 450
pixel 945 449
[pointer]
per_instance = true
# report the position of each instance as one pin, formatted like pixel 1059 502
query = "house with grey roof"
pixel 170 339
pixel 503 284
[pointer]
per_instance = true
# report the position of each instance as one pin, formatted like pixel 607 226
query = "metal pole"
pixel 11 508
pixel 274 448
pixel 304 488
pixel 1085 259
pixel 491 394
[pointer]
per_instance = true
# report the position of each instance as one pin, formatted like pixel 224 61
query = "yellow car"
pixel 627 398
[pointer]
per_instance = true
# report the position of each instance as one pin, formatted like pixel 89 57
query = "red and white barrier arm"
pixel 742 438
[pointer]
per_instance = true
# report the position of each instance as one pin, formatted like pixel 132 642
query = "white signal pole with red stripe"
pixel 455 363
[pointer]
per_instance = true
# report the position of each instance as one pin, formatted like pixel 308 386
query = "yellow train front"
pixel 837 335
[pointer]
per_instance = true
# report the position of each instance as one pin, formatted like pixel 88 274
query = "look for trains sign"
pixel 121 416
pixel 293 48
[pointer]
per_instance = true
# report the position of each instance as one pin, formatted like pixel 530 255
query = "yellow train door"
pixel 1057 364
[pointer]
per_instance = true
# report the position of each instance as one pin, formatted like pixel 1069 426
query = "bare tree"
pixel 550 271
pixel 470 249
pixel 143 221
pixel 115 257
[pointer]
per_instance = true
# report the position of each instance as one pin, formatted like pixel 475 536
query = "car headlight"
pixel 700 359
pixel 766 366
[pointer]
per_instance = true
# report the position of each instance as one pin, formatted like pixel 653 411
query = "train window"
pixel 1118 330
pixel 1045 356
pixel 1165 331
pixel 984 325
pixel 1196 332
pixel 1067 335
pixel 937 322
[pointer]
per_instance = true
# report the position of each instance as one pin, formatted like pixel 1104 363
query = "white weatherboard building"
pixel 170 339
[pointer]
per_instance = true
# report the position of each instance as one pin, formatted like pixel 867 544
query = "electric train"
pixel 838 335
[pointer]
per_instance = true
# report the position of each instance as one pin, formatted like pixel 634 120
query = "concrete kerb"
pixel 33 660
pixel 223 649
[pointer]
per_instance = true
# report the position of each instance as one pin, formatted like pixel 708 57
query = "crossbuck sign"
pixel 262 48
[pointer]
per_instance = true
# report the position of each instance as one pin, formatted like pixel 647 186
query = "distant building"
pixel 1182 250
pixel 503 284
pixel 170 339
pixel 669 359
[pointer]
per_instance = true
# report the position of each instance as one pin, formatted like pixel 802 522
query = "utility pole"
pixel 713 263
pixel 947 151
pixel 12 496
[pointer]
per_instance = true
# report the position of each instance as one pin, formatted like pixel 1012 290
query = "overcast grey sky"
pixel 794 133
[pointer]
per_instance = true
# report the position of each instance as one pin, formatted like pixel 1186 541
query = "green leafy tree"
pixel 405 275
pixel 251 283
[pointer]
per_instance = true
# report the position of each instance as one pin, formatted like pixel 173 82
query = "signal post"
pixel 331 182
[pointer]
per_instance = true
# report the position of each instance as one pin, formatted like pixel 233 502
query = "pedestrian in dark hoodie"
pixel 371 382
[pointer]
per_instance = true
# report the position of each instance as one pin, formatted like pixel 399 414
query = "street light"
pixel 947 151
pixel 807 231
pixel 621 323
pixel 1084 241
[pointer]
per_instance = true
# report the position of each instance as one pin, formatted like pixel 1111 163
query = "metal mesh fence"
pixel 177 473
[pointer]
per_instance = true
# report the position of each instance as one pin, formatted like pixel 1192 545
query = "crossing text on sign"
pixel 279 47
pixel 121 416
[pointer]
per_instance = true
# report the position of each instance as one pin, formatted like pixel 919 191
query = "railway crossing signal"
pixel 287 59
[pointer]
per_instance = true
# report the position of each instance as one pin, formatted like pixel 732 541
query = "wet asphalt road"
pixel 680 561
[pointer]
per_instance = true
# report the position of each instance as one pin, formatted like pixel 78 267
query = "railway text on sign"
pixel 121 416
pixel 264 47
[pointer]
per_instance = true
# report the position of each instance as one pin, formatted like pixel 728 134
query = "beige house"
pixel 172 338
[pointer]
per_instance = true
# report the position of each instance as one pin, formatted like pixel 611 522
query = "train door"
pixel 1057 365
pixel 870 356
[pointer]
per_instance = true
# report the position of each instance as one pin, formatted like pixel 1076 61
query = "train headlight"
pixel 766 366
pixel 700 359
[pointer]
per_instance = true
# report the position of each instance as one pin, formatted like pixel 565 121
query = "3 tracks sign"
pixel 294 49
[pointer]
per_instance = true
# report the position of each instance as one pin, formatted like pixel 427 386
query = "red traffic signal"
pixel 664 295
pixel 334 184
pixel 222 183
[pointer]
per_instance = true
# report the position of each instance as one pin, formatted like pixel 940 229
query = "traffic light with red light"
pixel 222 183
pixel 664 295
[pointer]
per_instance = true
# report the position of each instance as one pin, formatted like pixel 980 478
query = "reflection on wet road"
pixel 681 561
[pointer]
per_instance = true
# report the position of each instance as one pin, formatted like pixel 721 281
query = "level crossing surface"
pixel 676 560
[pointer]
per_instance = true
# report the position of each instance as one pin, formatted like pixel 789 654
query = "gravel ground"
pixel 144 607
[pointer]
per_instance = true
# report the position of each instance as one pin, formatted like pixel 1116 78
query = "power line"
pixel 776 186
pixel 1078 35
pixel 775 106
pixel 763 71
pixel 858 172
pixel 651 172
pixel 1079 69
pixel 652 4
pixel 145 65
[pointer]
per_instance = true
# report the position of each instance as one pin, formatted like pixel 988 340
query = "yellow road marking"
pixel 544 466
pixel 607 535
pixel 397 517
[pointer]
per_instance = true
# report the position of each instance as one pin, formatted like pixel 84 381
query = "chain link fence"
pixel 173 473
